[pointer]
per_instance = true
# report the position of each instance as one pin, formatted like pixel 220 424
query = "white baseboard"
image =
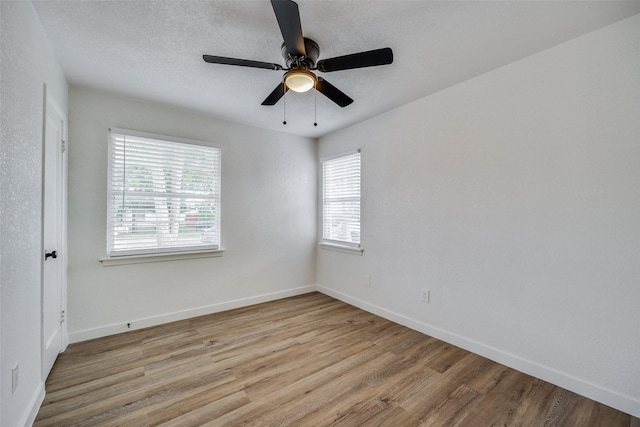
pixel 34 406
pixel 624 403
pixel 118 328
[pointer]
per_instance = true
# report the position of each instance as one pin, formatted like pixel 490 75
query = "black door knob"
pixel 52 254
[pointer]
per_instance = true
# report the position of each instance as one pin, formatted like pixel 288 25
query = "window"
pixel 164 195
pixel 341 200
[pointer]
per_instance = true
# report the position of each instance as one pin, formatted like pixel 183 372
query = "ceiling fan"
pixel 300 55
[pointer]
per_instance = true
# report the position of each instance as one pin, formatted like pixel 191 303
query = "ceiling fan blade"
pixel 332 92
pixel 369 58
pixel 241 62
pixel 275 96
pixel 288 18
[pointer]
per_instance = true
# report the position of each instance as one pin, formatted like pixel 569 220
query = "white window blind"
pixel 341 200
pixel 164 196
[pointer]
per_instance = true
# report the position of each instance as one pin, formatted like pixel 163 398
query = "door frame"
pixel 62 165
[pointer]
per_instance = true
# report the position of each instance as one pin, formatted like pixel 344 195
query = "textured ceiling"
pixel 153 50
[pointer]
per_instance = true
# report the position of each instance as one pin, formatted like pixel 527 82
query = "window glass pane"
pixel 163 196
pixel 341 199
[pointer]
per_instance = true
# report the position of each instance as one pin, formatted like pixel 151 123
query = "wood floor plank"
pixel 286 392
pixel 308 360
pixel 326 391
pixel 404 384
pixel 94 387
pixel 209 412
pixel 193 400
pixel 336 408
pixel 367 412
pixel 454 409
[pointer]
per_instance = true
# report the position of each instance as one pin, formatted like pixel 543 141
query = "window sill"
pixel 173 256
pixel 341 248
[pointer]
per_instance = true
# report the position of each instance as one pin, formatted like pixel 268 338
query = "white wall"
pixel 268 220
pixel 514 198
pixel 27 63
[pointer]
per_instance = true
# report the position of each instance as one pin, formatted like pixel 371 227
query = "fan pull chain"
pixel 284 114
pixel 315 107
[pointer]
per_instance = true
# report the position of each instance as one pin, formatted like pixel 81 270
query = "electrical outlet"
pixel 14 378
pixel 426 295
pixel 366 280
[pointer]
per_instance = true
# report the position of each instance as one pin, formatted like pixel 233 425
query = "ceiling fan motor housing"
pixel 307 61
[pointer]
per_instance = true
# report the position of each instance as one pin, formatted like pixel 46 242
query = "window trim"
pixel 159 257
pixel 341 248
pixel 330 244
pixel 168 254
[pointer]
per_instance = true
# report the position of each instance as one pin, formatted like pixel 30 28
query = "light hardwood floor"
pixel 306 361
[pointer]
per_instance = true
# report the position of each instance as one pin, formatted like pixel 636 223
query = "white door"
pixel 54 265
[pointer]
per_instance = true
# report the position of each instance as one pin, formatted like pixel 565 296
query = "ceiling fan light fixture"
pixel 300 80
